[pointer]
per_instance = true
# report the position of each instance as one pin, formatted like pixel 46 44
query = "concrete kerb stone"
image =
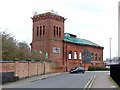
pixel 47 76
pixel 90 82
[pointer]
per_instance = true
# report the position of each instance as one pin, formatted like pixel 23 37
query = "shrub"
pixel 93 68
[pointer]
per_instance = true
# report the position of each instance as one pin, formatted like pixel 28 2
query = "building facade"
pixel 66 49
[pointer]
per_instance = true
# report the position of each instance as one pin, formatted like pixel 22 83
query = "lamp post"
pixel 110 50
pixel 66 58
pixel 67 55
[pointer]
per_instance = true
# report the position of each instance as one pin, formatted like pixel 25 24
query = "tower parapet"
pixel 48 15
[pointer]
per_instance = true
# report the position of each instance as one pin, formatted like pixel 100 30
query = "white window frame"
pixel 75 55
pixel 56 50
pixel 70 55
pixel 80 55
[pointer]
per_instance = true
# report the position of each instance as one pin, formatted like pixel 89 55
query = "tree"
pixel 9 48
pixel 23 51
pixel 14 50
pixel 36 55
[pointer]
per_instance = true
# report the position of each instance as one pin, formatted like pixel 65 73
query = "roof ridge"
pixel 78 40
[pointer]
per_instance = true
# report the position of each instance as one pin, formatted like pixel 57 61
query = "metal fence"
pixel 115 73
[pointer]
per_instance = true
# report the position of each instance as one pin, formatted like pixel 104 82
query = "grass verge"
pixel 114 83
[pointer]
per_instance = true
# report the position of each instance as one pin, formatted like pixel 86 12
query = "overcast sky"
pixel 95 20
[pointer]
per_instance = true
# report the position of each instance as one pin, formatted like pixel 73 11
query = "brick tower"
pixel 48 35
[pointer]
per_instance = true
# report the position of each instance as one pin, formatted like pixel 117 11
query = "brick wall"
pixel 25 69
pixel 81 48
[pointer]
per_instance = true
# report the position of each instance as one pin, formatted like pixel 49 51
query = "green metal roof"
pixel 73 39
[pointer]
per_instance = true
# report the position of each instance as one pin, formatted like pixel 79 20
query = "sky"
pixel 94 20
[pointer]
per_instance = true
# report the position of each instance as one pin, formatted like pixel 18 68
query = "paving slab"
pixel 103 81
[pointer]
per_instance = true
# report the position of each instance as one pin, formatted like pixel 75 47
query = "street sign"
pixel 46 55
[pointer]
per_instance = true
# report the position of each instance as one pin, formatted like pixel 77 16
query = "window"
pixel 80 55
pixel 94 63
pixel 54 30
pixel 43 30
pixel 59 32
pixel 70 55
pixel 92 56
pixel 75 55
pixel 99 58
pixel 37 30
pixel 40 31
pixel 56 50
pixel 95 56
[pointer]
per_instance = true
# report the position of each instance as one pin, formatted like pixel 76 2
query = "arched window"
pixel 37 30
pixel 59 32
pixel 92 56
pixel 70 55
pixel 75 55
pixel 95 56
pixel 99 58
pixel 80 55
pixel 54 31
pixel 40 31
pixel 43 30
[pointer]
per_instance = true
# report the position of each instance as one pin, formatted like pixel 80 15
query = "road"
pixel 62 81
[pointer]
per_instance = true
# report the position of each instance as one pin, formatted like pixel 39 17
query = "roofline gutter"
pixel 84 44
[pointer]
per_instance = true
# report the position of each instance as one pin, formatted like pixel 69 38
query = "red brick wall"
pixel 79 48
pixel 47 41
pixel 32 68
pixel 27 69
pixel 21 69
pixel 40 68
pixel 9 66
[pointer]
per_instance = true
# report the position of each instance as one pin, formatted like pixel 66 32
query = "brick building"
pixel 66 49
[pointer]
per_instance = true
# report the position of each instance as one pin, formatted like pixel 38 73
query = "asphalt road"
pixel 62 81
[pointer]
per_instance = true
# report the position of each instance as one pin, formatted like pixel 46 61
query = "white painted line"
pixel 90 82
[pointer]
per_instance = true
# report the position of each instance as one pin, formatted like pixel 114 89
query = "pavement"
pixel 102 81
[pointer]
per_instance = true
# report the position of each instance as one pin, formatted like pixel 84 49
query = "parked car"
pixel 77 70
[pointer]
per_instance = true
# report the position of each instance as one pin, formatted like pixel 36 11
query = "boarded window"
pixel 92 56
